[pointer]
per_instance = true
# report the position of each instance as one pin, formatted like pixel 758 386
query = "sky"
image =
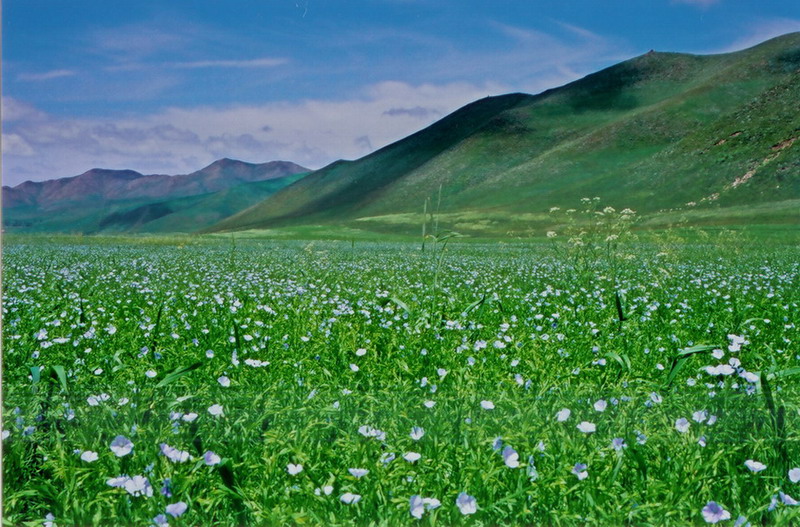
pixel 169 87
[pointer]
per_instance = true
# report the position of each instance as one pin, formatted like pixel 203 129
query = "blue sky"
pixel 168 87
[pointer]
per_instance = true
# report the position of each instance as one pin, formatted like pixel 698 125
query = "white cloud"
pixel 180 140
pixel 265 62
pixel 47 75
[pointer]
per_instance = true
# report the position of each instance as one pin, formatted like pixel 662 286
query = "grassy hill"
pixel 704 139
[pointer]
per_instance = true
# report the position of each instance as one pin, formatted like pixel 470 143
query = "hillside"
pixel 124 200
pixel 714 137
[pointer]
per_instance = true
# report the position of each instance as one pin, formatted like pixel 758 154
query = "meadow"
pixel 232 381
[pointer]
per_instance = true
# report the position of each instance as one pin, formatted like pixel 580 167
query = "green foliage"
pixel 303 344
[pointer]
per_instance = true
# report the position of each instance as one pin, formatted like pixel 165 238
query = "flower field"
pixel 330 383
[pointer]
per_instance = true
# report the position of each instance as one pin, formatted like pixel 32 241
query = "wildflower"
pixel 417 506
pixel 349 498
pixel 714 513
pixel 161 521
pixel 215 409
pixel 387 457
pixel 360 352
pixel 431 503
pixel 211 459
pixel 682 425
pixel 138 486
pixel 166 489
pixel 600 406
pixel 754 466
pixel 293 470
pixel 429 404
pixel 354 367
pixel 563 415
pixel 787 500
pixel 487 405
pixel 150 373
pixel 466 503
pixel 176 509
pixel 417 433
pixel 358 473
pixel 586 427
pixel 89 456
pixel 224 381
pixel 700 416
pixel 794 475
pixel 121 446
pixel 618 444
pixel 412 457
pixel 580 471
pixel 510 457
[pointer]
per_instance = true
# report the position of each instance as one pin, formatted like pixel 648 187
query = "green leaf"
pixel 36 374
pixel 475 304
pixel 177 373
pixel 62 376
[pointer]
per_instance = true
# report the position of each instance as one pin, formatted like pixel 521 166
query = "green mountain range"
pixel 127 201
pixel 708 140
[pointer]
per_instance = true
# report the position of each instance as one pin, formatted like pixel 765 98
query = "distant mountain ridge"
pixel 125 200
pixel 715 137
pixel 116 185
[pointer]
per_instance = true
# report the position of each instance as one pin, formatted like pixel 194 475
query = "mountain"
pixel 125 200
pixel 704 139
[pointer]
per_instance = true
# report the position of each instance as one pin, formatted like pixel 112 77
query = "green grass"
pixel 532 327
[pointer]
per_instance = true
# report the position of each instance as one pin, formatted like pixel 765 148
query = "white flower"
pixel 150 373
pixel 600 405
pixel 417 433
pixel 215 409
pixel 350 498
pixel 714 513
pixel 224 381
pixel 563 415
pixel 682 425
pixel 466 503
pixel 586 427
pixel 754 466
pixel 293 469
pixel 211 459
pixel 417 506
pixel 360 352
pixel 176 509
pixel 138 486
pixel 89 456
pixel 173 454
pixel 121 446
pixel 787 500
pixel 412 457
pixel 510 457
pixel 580 471
pixel 429 404
pixel 794 475
pixel 700 416
pixel 358 472
pixel 354 367
pixel 487 405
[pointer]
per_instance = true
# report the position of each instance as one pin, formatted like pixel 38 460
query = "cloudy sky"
pixel 170 86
